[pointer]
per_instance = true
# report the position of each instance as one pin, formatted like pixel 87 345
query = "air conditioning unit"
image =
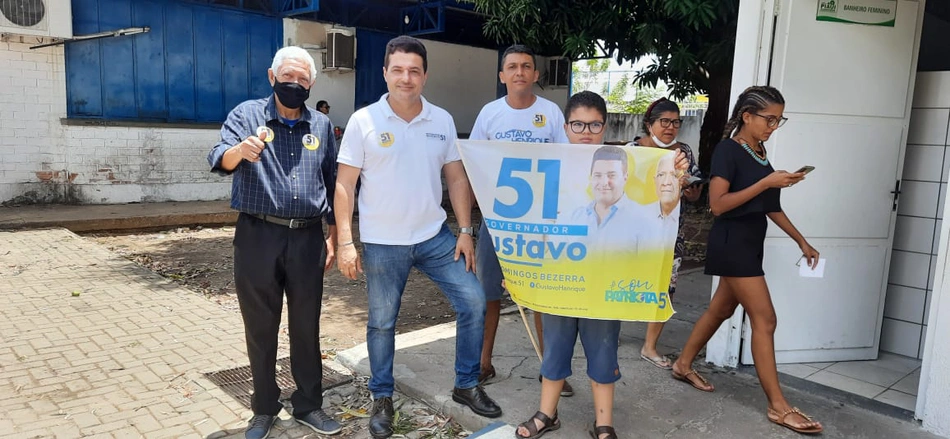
pixel 36 18
pixel 341 50
pixel 559 72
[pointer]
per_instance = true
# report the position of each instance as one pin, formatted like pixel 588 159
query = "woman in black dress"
pixel 743 191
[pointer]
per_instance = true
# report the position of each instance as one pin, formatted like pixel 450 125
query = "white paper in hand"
pixel 805 271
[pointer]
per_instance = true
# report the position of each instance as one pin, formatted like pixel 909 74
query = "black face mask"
pixel 291 94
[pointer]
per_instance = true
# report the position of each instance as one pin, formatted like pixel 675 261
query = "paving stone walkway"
pixel 94 346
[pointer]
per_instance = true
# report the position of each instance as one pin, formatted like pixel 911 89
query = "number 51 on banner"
pixel 525 194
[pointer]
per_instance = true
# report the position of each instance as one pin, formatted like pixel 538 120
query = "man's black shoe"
pixel 381 420
pixel 477 400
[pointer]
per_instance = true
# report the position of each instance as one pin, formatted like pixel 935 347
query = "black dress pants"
pixel 269 260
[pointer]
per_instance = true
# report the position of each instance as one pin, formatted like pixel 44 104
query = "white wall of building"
pixel 48 161
pixel 461 79
pixel 558 95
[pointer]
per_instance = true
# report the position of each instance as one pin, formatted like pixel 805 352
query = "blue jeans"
pixel 387 268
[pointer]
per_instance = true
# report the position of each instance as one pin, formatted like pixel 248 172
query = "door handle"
pixel 896 193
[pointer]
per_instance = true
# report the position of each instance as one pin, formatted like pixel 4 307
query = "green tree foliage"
pixel 691 42
pixel 595 70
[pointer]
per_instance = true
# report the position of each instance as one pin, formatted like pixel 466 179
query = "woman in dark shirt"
pixel 743 191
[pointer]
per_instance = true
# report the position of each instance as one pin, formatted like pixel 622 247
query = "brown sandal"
pixel 547 424
pixel 780 420
pixel 603 429
pixel 685 378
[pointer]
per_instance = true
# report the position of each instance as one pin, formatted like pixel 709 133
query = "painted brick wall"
pixel 45 161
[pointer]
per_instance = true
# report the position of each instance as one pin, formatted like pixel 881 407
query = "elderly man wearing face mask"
pixel 281 156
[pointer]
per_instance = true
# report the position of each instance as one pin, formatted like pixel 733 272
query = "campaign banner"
pixel 580 230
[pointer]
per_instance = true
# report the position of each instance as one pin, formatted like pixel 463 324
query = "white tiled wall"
pixel 919 216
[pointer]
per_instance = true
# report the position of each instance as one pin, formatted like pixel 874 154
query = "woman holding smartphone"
pixel 744 190
pixel 661 124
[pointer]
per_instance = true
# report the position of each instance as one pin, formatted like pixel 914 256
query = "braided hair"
pixel 658 107
pixel 751 100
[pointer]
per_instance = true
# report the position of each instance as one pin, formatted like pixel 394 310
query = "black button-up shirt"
pixel 290 180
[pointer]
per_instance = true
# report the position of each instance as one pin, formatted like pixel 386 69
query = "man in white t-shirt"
pixel 520 116
pixel 397 148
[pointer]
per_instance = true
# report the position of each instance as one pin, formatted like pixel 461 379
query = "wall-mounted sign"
pixel 867 12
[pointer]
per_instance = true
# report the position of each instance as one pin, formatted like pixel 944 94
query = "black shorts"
pixel 736 246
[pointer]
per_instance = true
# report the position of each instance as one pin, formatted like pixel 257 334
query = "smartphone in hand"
pixel 805 169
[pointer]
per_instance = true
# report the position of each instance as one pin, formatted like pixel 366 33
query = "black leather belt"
pixel 292 223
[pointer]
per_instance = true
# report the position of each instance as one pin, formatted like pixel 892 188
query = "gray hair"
pixel 297 53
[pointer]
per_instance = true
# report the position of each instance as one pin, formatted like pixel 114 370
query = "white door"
pixel 847 90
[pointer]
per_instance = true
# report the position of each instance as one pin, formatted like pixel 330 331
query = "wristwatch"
pixel 467 230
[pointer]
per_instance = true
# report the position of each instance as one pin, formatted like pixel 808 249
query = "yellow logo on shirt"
pixel 310 142
pixel 264 133
pixel 386 140
pixel 539 120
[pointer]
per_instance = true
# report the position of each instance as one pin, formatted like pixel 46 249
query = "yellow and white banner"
pixel 580 230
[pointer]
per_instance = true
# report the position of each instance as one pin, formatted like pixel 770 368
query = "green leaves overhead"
pixel 691 40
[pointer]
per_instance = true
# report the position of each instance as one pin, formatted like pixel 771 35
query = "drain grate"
pixel 237 382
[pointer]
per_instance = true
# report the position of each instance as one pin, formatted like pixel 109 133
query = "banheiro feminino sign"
pixel 866 12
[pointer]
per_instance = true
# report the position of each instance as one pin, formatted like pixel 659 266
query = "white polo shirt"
pixel 400 201
pixel 542 122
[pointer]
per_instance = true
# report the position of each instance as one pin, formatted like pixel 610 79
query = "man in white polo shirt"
pixel 520 116
pixel 398 148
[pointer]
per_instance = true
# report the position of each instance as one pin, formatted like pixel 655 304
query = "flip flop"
pixel 685 378
pixel 780 420
pixel 661 361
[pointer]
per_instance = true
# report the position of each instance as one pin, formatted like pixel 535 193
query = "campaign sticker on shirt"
pixel 266 134
pixel 539 120
pixel 386 140
pixel 311 142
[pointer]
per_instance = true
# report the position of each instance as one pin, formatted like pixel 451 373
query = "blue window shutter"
pixel 180 63
pixel 149 59
pixel 196 63
pixel 83 72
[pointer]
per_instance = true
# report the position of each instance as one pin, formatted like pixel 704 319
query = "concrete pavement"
pixel 648 403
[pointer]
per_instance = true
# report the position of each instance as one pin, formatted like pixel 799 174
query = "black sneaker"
pixel 477 400
pixel 381 420
pixel 259 426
